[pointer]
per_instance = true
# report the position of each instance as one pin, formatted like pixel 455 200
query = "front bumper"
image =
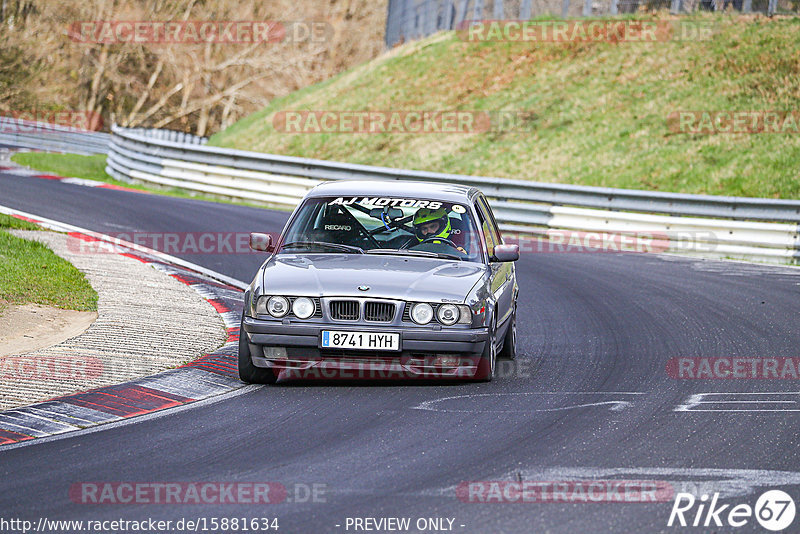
pixel 294 346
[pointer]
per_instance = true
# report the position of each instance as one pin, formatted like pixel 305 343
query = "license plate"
pixel 360 340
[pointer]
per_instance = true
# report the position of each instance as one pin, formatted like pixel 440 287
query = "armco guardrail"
pixel 746 228
pixel 46 136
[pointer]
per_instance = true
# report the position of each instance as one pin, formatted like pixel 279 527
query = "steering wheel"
pixel 433 239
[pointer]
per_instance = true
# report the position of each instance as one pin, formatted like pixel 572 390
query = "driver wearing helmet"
pixel 430 224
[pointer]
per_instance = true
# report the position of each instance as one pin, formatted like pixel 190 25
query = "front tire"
pixel 247 371
pixel 488 360
pixel 509 351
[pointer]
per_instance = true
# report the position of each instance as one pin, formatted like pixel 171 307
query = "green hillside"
pixel 591 113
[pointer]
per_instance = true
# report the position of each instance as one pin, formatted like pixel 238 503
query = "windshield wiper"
pixel 409 252
pixel 335 246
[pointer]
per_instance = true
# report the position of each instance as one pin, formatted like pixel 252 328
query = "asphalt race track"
pixel 590 399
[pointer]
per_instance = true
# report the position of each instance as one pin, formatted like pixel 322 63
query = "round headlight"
pixel 278 306
pixel 422 313
pixel 303 307
pixel 447 314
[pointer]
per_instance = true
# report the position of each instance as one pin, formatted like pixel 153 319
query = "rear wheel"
pixel 247 371
pixel 486 364
pixel 509 351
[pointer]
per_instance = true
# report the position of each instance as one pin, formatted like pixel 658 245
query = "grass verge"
pixel 71 165
pixel 590 113
pixel 32 273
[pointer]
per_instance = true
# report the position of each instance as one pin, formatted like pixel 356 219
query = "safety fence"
pixel 413 19
pixel 714 226
pixel 45 136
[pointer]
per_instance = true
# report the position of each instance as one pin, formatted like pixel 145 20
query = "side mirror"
pixel 504 253
pixel 262 242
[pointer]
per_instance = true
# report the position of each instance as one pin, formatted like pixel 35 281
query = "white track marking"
pixel 745 399
pixel 616 405
pixel 727 482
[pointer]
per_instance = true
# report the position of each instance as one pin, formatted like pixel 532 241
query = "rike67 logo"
pixel 774 510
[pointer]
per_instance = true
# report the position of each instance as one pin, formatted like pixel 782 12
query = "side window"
pixel 490 218
pixel 486 228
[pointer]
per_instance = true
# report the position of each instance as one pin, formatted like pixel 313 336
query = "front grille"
pixel 379 312
pixel 345 310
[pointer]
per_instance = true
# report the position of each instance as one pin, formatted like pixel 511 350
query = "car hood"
pixel 398 277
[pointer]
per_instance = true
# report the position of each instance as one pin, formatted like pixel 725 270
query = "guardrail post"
pixel 396 21
pixel 431 17
pixel 498 11
pixel 477 10
pixel 613 8
pixel 448 15
pixel 587 8
pixel 461 13
pixel 773 6
pixel 406 21
pixel 525 10
pixel 675 8
pixel 564 8
pixel 796 256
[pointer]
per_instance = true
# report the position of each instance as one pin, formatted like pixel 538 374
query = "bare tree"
pixel 187 86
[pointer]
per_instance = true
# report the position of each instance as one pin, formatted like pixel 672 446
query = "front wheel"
pixel 509 351
pixel 486 364
pixel 247 371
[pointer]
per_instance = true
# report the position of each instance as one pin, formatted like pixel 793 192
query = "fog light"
pixel 447 361
pixel 275 353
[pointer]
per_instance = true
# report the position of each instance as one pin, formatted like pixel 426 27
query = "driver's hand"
pixel 461 250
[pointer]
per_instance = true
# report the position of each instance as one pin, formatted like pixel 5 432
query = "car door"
pixel 502 272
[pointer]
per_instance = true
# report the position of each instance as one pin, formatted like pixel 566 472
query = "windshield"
pixel 384 225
